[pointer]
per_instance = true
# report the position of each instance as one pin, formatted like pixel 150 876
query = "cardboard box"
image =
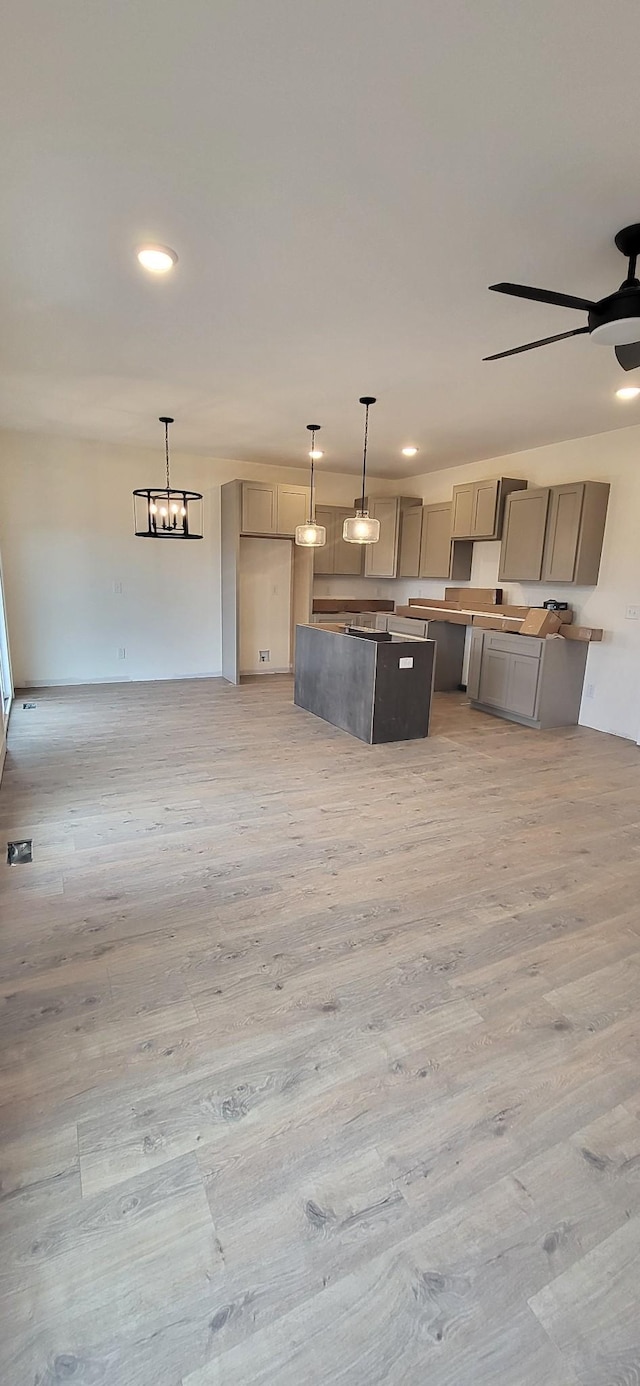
pixel 433 601
pixel 510 623
pixel 540 622
pixel 354 604
pixel 489 622
pixel 436 613
pixel 581 632
pixel 474 596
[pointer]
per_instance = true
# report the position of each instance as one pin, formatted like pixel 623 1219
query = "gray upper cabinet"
pixel 523 535
pixel 271 509
pixel 293 502
pixel 382 559
pixel 410 535
pixel 435 547
pixel 478 507
pixel 462 515
pixel 554 533
pixel 336 557
pixel 575 531
pixel 259 507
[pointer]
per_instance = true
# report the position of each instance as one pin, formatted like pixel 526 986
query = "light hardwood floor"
pixel 319 1060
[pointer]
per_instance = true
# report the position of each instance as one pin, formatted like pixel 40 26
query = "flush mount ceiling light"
pixel 628 392
pixel 167 513
pixel 311 535
pixel 361 528
pixel 158 259
pixel 409 452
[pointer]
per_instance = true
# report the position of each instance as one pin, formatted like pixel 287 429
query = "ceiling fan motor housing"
pixel 615 321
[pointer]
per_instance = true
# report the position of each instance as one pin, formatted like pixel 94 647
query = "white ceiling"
pixel 341 180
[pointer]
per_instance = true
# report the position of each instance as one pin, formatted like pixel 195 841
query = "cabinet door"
pixel 494 678
pixel 323 559
pixel 563 532
pixel 410 533
pixel 462 518
pixel 381 559
pixel 524 672
pixel 435 548
pixel 293 503
pixel 475 663
pixel 348 559
pixel 259 507
pixel 485 505
pixel 525 520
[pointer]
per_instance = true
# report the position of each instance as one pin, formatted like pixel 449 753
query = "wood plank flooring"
pixel 319 1061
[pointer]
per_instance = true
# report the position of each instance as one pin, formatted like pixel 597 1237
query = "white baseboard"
pixel 84 683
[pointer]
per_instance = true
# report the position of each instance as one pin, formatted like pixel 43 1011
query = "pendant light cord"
pixel 364 453
pixel 313 448
pixel 166 451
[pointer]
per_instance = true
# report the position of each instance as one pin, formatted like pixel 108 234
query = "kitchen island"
pixel 376 686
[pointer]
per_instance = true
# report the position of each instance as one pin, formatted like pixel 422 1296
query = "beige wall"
pixel 66 535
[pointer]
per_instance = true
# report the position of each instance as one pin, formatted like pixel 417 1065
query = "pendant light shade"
pixel 310 535
pixel 362 528
pixel 166 512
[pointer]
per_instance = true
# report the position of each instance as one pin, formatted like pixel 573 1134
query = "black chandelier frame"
pixel 165 512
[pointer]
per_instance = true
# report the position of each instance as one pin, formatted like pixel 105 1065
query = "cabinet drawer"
pixel 526 645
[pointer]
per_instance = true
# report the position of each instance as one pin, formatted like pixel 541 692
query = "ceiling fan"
pixel 612 321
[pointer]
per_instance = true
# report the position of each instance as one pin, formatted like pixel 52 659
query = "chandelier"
pixel 167 512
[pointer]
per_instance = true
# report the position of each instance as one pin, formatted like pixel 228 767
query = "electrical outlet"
pixel 590 690
pixel 265 656
pixel 117 589
pixel 632 613
pixel 122 653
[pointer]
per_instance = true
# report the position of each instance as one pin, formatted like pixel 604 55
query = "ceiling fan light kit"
pixel 166 512
pixel 611 321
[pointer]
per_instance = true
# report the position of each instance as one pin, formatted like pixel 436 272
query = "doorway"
pixel 265 599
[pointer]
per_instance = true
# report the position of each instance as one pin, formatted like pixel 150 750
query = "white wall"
pixel 66 535
pixel 613 667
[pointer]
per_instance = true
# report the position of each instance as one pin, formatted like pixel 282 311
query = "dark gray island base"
pixel 378 691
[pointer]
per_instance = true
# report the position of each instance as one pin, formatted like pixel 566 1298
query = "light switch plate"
pixel 632 613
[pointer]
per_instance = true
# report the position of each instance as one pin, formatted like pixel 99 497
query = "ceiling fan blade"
pixel 544 341
pixel 629 356
pixel 543 296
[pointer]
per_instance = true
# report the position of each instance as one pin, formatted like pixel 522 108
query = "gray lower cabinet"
pixel 537 682
pixel 447 637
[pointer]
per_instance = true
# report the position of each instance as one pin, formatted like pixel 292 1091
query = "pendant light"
pixel 361 528
pixel 164 512
pixel 311 535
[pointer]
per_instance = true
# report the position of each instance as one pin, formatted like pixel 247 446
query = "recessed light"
pixel 158 259
pixel 315 454
pixel 628 392
pixel 409 452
